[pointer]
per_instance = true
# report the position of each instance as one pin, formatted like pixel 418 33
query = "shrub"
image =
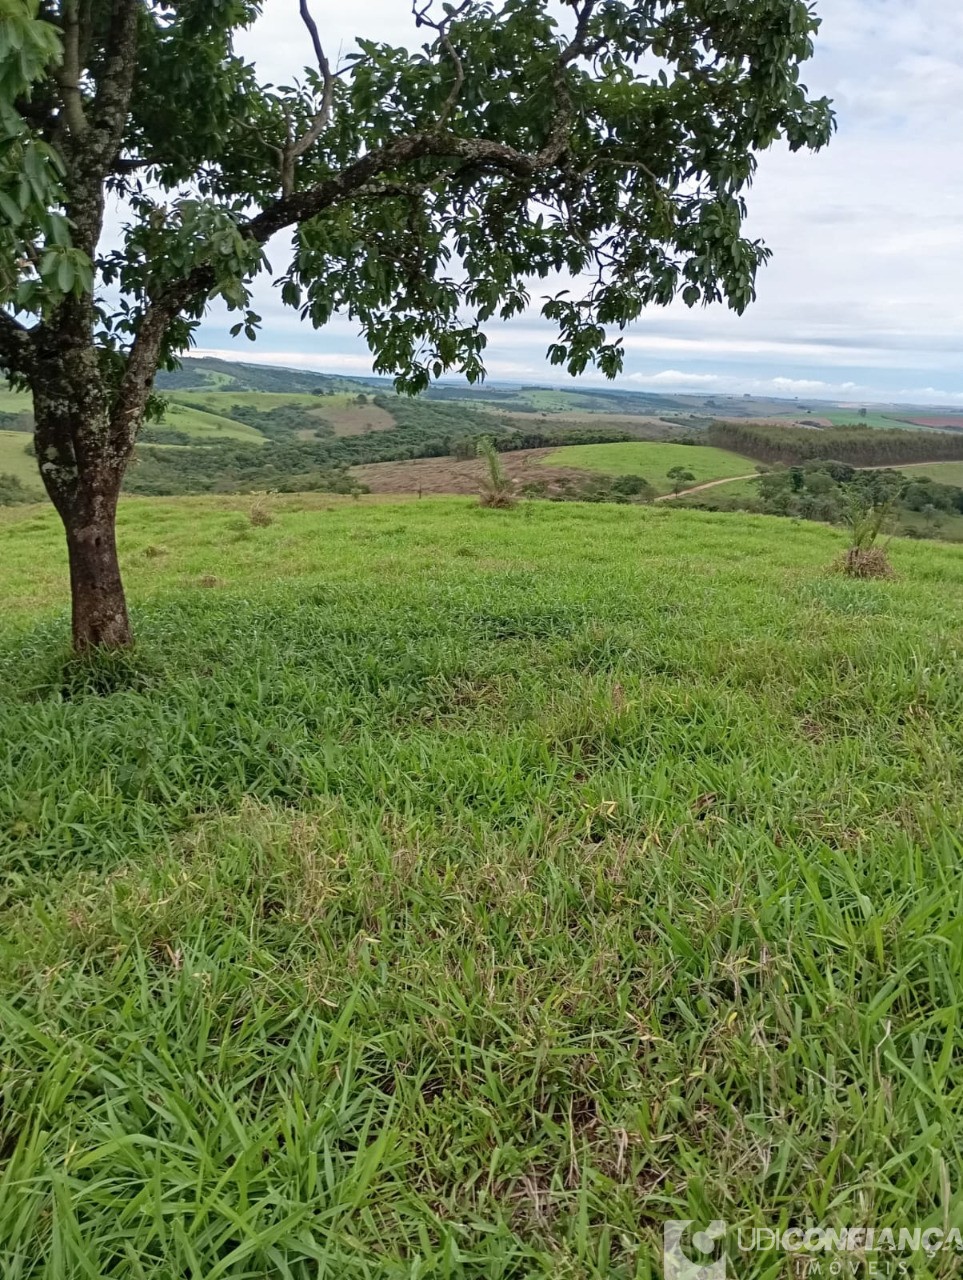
pixel 866 562
pixel 496 490
pixel 680 477
pixel 869 511
pixel 12 491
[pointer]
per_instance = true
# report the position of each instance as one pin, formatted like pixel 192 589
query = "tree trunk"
pixel 98 603
pixel 82 465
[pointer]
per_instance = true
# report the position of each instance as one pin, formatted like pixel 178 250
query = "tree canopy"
pixel 606 142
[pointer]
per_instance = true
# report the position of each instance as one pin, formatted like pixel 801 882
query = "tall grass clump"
pixel 496 488
pixel 867 517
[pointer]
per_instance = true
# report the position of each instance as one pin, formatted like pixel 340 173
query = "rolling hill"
pixel 231 426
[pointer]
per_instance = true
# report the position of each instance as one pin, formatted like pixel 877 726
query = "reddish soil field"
pixel 449 475
pixel 944 423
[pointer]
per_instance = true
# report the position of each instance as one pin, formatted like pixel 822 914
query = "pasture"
pixel 459 893
pixel 15 461
pixel 14 401
pixel 207 427
pixel 653 461
pixel 879 421
pixel 341 411
pixel 218 401
pixel 942 472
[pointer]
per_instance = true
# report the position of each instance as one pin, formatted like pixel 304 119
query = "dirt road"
pixel 709 484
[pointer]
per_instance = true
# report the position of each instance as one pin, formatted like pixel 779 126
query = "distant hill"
pixel 205 373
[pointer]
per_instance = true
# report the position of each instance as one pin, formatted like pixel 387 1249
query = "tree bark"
pixel 82 464
pixel 99 606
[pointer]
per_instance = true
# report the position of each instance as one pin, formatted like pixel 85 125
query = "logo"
pixel 684 1261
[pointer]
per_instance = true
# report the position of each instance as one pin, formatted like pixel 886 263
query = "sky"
pixel 863 299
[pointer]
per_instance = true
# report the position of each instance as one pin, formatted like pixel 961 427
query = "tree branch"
pixel 579 45
pixel 300 206
pixel 135 386
pixel 359 178
pixel 16 346
pixel 312 27
pixel 108 112
pixel 130 164
pixel 441 26
pixel 68 74
pixel 298 146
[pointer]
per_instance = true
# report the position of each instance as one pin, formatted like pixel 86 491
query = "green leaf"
pixel 65 274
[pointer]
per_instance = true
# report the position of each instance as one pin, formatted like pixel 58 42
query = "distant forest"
pixel 858 445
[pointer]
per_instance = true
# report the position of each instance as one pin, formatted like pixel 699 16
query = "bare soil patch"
pixel 944 423
pixel 646 426
pixel 450 475
pixel 356 419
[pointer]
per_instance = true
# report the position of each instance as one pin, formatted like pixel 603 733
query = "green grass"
pixel 219 401
pixel 741 488
pixel 653 461
pixel 729 489
pixel 15 462
pixel 880 421
pixel 207 427
pixel 942 472
pixel 441 892
pixel 14 401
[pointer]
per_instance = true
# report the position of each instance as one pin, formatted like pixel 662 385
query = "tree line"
pixel 234 465
pixel 831 491
pixel 860 446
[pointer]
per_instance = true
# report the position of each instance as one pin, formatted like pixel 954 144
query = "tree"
pixel 604 138
pixel 680 477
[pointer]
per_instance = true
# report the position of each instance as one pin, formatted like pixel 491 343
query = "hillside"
pixel 235 427
pixel 462 893
pixel 15 461
pixel 654 462
pixel 228 376
pixel 566 398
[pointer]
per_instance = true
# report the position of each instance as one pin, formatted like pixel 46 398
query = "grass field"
pixel 440 892
pixel 729 489
pixel 943 472
pixel 205 425
pixel 217 401
pixel 881 421
pixel 341 411
pixel 208 427
pixel 15 462
pixel 653 461
pixel 14 401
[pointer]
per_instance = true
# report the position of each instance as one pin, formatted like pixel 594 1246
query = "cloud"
pixel 675 378
pixel 322 362
pixel 866 285
pixel 778 386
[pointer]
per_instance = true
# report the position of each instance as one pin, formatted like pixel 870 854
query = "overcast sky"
pixel 864 296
